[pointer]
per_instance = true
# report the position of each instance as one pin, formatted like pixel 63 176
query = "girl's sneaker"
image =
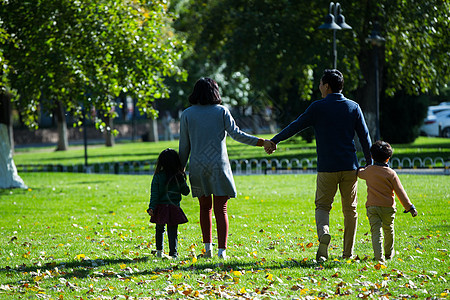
pixel 159 253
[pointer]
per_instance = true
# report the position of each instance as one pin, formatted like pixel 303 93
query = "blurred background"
pixel 110 70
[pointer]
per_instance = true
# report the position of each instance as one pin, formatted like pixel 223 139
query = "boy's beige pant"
pixel 327 185
pixel 382 218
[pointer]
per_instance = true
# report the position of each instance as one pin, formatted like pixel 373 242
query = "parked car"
pixel 431 123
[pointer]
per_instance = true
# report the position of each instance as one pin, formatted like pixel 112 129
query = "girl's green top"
pixel 163 193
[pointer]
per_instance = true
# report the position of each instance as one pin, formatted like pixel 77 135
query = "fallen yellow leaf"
pixel 80 256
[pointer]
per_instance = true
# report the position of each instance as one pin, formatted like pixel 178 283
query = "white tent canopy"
pixel 8 171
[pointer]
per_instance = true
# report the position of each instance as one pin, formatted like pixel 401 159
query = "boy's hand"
pixel 412 210
pixel 150 212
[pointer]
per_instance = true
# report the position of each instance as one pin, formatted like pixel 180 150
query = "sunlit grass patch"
pixel 88 236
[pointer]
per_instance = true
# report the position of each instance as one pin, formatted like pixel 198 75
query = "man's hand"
pixel 150 212
pixel 269 146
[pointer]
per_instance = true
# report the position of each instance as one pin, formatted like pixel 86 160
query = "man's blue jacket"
pixel 335 120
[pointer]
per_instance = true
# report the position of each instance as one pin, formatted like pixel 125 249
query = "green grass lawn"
pixel 86 236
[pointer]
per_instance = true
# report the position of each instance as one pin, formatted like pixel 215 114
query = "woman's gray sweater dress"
pixel 203 130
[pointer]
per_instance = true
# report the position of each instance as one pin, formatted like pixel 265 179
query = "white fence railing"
pixel 239 167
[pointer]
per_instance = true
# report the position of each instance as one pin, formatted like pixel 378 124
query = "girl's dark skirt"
pixel 168 214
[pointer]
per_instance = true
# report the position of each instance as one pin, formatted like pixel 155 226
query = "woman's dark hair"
pixel 334 78
pixel 206 92
pixel 169 162
pixel 381 151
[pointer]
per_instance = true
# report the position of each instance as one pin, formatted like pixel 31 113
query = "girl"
pixel 168 184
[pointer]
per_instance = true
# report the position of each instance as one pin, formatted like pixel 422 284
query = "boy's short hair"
pixel 334 78
pixel 381 151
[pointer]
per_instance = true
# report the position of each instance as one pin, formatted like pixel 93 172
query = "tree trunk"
pixel 366 95
pixel 5 117
pixel 153 134
pixel 109 136
pixel 8 172
pixel 63 141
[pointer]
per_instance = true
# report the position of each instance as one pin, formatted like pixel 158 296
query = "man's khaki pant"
pixel 382 218
pixel 327 185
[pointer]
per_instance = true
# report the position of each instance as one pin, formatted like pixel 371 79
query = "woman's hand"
pixel 269 146
pixel 150 212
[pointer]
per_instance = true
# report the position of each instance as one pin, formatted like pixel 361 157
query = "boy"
pixel 382 182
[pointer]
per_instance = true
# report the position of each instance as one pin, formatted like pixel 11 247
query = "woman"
pixel 203 130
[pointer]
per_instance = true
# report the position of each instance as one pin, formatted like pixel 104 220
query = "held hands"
pixel 269 146
pixel 150 212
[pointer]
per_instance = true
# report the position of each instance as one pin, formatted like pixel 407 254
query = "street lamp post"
pixel 377 41
pixel 330 23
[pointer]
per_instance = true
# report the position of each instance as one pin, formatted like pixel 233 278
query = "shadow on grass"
pixel 85 268
pixel 74 268
pixel 17 191
pixel 260 264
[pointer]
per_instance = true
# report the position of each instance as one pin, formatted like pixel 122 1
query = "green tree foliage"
pixel 85 53
pixel 4 36
pixel 277 45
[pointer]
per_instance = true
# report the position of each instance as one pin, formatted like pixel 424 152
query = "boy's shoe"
pixel 159 253
pixel 322 252
pixel 349 257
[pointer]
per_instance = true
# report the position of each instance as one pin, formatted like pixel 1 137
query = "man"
pixel 335 120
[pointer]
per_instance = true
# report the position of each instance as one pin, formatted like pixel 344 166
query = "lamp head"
pixel 375 38
pixel 341 22
pixel 329 23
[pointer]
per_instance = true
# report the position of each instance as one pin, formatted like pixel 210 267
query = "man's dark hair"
pixel 334 78
pixel 206 92
pixel 381 151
